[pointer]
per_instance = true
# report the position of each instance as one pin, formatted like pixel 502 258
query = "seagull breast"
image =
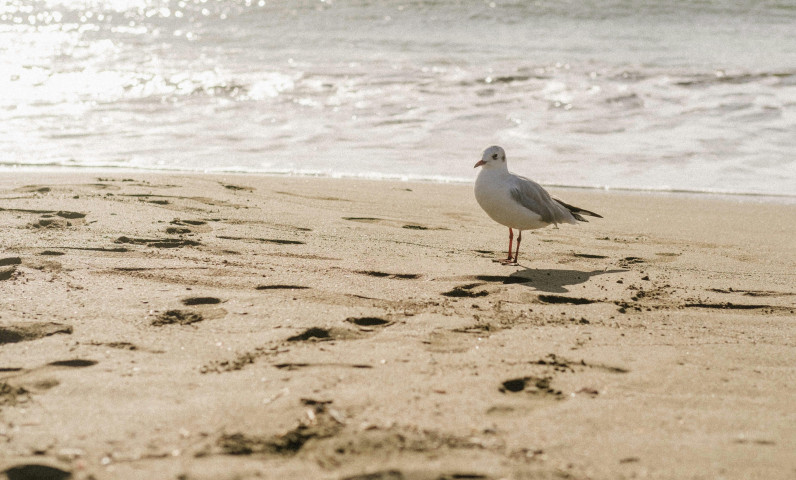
pixel 500 194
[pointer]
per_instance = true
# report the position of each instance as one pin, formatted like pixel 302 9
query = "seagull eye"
pixel 494 156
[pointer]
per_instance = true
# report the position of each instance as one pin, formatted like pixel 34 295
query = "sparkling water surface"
pixel 684 95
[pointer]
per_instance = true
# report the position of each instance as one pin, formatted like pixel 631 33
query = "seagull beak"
pixel 480 162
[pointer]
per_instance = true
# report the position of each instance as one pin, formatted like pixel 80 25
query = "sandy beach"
pixel 231 327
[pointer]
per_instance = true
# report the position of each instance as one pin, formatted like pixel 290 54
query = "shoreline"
pixel 205 326
pixel 765 197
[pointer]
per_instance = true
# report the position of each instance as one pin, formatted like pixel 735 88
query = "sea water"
pixel 677 95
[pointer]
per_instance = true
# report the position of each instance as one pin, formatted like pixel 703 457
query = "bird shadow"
pixel 549 280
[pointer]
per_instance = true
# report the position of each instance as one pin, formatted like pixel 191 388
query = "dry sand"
pixel 220 327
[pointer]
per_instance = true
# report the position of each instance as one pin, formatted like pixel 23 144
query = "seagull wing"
pixel 535 198
pixel 577 211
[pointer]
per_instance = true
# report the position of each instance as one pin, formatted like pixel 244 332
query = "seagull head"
pixel 492 157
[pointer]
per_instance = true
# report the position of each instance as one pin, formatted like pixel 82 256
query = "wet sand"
pixel 220 327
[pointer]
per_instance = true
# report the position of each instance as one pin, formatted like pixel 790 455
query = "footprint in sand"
pixel 71 189
pixel 73 363
pixel 531 385
pixel 177 317
pixel 60 219
pixel 70 363
pixel 368 321
pixel 32 189
pixel 174 199
pixel 117 345
pixel 21 383
pixel 8 267
pixel 752 293
pixel 740 306
pixel 12 395
pixel 277 241
pixel 331 439
pixel 25 331
pixel 559 299
pixel 188 317
pixel 300 365
pixel 183 226
pixel 324 424
pixel 4 262
pixel 201 301
pixel 479 329
pixel 393 223
pixel 177 221
pixel 627 261
pixel 70 215
pixel 33 471
pixel 348 446
pixel 317 334
pixel 281 286
pixel 48 222
pixel 449 341
pixel 398 276
pixel 466 291
pixel 313 334
pixel 237 188
pixel 588 255
pixel 369 324
pixel 159 242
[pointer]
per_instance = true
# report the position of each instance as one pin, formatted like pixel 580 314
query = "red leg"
pixel 508 260
pixel 511 237
pixel 517 252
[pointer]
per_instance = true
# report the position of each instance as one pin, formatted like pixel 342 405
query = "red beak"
pixel 480 162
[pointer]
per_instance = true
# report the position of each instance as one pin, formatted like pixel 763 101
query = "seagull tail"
pixel 577 212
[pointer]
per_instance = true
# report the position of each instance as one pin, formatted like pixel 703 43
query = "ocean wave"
pixel 583 94
pixel 720 77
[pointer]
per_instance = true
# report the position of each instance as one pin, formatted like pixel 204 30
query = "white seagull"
pixel 518 202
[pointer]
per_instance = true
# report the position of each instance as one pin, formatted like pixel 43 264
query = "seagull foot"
pixel 507 261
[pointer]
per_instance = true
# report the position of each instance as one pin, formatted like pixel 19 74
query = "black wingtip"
pixel 578 212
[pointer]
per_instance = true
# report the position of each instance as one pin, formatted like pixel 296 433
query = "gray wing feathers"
pixel 532 196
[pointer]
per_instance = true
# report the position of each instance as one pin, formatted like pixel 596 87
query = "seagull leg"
pixel 511 237
pixel 508 260
pixel 517 252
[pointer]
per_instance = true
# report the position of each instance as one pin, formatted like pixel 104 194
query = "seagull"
pixel 518 202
